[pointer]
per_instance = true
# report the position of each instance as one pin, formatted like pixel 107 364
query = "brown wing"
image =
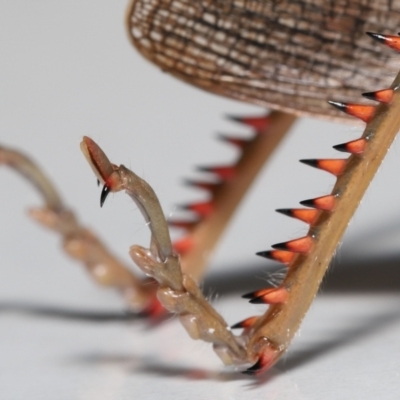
pixel 291 55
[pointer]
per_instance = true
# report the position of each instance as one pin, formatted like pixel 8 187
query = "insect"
pixel 242 80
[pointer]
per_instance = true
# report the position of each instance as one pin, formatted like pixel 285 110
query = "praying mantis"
pixel 296 84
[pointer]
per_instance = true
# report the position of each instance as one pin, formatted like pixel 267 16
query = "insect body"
pixel 292 56
pixel 287 55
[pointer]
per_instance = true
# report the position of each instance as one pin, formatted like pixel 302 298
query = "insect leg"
pixel 177 291
pixel 227 194
pixel 78 242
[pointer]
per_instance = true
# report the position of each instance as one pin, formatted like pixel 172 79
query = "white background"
pixel 67 69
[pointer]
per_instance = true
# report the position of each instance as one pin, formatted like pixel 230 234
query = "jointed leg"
pixel 79 242
pixel 177 292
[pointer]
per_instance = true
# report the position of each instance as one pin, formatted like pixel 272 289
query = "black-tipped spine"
pixel 104 193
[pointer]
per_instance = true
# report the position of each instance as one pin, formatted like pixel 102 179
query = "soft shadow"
pixel 358 330
pixel 157 367
pixel 372 275
pixel 54 312
pixel 369 276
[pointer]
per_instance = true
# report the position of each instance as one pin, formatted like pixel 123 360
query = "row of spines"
pixel 286 252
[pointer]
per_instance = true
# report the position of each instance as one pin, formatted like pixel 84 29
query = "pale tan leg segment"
pixel 177 292
pixel 78 242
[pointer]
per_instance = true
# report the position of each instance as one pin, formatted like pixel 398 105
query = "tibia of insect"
pixel 308 258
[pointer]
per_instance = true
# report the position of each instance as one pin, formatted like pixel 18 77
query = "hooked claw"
pixel 120 178
pixel 104 193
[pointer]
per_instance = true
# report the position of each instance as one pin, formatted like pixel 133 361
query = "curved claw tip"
pixel 254 369
pixel 104 194
pixel 267 359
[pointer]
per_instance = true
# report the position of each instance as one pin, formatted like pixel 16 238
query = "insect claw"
pixel 267 358
pixel 104 193
pixel 254 369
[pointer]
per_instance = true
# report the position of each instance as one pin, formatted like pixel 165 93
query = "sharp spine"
pixel 282 256
pixel 203 209
pixel 259 124
pixel 361 111
pixel 236 141
pixel 268 296
pixel 353 147
pixel 303 214
pixel 209 186
pixel 182 246
pixel 383 96
pixel 325 203
pixel 388 40
pixel 246 323
pixel 335 166
pixel 301 245
pixel 223 172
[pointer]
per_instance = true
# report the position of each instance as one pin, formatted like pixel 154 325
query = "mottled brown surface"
pixel 285 54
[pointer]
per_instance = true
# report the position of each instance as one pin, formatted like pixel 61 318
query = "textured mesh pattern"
pixel 291 54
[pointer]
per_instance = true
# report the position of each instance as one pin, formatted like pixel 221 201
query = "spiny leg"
pixel 307 258
pixel 265 338
pixel 227 191
pixel 78 242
